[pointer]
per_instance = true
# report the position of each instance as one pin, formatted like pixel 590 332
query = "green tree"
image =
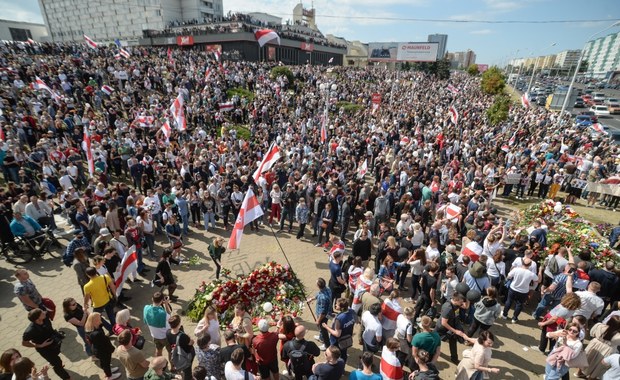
pixel 493 82
pixel 440 69
pixel 473 70
pixel 584 66
pixel 498 112
pixel 282 70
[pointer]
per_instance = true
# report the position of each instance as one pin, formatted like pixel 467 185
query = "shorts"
pixel 161 343
pixel 266 369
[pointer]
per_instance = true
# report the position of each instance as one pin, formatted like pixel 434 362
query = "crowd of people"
pixel 404 276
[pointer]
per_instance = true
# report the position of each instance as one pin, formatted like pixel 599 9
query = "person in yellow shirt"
pixel 99 291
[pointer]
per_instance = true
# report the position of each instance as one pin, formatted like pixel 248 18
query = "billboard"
pixel 482 67
pixel 403 51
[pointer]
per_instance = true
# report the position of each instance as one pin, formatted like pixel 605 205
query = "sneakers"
pixel 322 347
pixel 318 337
pixel 408 299
pixel 514 321
pixel 317 245
pixel 114 369
pixel 502 316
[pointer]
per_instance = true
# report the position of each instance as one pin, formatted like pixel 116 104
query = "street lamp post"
pixel 572 82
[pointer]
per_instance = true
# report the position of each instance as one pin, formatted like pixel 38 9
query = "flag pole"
pixel 290 266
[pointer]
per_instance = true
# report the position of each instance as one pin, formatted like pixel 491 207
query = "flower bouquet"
pixel 567 229
pixel 272 282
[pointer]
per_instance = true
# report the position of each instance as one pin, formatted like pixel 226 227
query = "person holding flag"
pixel 249 211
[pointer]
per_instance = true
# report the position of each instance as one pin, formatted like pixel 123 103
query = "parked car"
pixel 592 115
pixel 587 99
pixel 614 108
pixel 583 121
pixel 541 100
pixel 579 103
pixel 600 110
pixel 611 101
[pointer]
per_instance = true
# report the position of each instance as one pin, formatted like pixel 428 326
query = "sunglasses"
pixel 573 331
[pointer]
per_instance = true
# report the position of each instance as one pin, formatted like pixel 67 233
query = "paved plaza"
pixel 512 353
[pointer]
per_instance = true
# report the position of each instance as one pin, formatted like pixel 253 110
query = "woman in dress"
pixel 102 347
pixel 211 325
pixel 163 273
pixel 604 342
pixel 475 364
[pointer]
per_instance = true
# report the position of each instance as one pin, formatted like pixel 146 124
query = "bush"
pixel 498 112
pixel 282 70
pixel 240 92
pixel 473 70
pixel 242 132
pixel 349 107
pixel 493 81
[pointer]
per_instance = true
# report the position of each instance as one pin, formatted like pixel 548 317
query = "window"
pixel 158 12
pixel 18 34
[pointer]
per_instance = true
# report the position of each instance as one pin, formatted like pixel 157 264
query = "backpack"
pixel 299 361
pixel 181 359
pixel 553 265
pixel 93 227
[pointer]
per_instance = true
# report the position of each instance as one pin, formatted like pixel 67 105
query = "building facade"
pixel 22 31
pixel 567 58
pixel 602 55
pixel 69 20
pixel 462 59
pixel 442 40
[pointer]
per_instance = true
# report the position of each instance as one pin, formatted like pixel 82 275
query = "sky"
pixel 392 20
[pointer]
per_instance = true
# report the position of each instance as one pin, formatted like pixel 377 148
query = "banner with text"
pixel 402 51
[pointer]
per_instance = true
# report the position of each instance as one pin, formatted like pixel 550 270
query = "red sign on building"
pixel 185 40
pixel 307 46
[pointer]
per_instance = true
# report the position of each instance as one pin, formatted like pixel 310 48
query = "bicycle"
pixel 16 252
pixel 40 244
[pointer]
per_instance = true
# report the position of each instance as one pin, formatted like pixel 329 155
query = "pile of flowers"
pixel 568 229
pixel 273 282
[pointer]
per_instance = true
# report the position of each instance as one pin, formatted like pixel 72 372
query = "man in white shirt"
pixel 519 289
pixel 41 212
pixel 152 202
pixel 591 304
pixel 233 370
pixel 373 330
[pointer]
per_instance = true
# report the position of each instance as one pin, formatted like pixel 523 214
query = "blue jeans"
pixel 109 310
pixel 185 221
pixel 546 303
pixel 82 334
pixel 208 217
pixel 554 373
pixel 140 262
pixel 149 241
pixel 519 299
pixel 157 218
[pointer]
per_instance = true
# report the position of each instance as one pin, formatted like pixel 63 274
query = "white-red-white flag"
pixel 390 309
pixel 166 130
pixel 207 73
pixel 270 158
pixel 129 265
pixel 598 127
pixel 452 212
pixel 361 171
pixel 107 89
pixel 227 106
pixel 266 35
pixel 525 102
pixel 177 112
pixel 30 41
pixel 473 250
pixel 250 210
pixel 454 115
pixel 88 150
pixel 324 127
pixel 505 148
pixel 124 53
pixel 452 89
pixel 39 84
pixel 217 55
pixel 92 44
pixel 390 367
pixel 513 139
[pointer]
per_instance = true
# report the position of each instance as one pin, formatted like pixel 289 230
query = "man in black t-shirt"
pixel 428 282
pixel 333 368
pixel 310 348
pixel 41 336
pixel 449 327
pixel 231 345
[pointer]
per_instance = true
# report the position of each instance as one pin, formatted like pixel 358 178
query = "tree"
pixel 584 66
pixel 473 70
pixel 282 70
pixel 498 112
pixel 440 69
pixel 493 82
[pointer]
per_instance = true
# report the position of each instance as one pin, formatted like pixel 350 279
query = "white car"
pixel 600 110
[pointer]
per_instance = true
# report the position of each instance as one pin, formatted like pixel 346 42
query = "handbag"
pixel 110 294
pixel 50 306
pixel 345 341
pixel 579 361
pixel 140 342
